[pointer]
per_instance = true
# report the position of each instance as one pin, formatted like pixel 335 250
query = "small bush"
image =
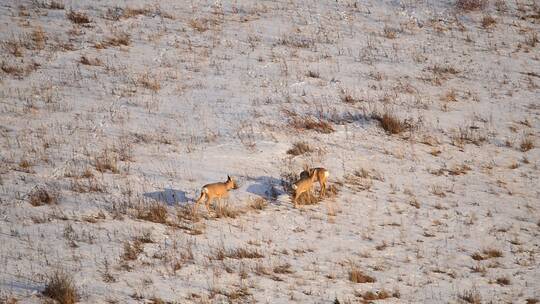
pixel 238 253
pixel 357 276
pixel 503 281
pixel 106 161
pixel 391 123
pixel 471 296
pixel 299 148
pixel 132 250
pixel 60 287
pixel 78 17
pixel 258 203
pixel 41 196
pixel 526 144
pixel 488 21
pixel 156 212
pixel 470 5
pixel 223 210
pixel 310 123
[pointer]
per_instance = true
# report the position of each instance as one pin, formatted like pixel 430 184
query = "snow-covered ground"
pixel 109 122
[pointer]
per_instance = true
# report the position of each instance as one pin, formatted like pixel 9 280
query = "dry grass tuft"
pixel 60 287
pixel 149 82
pixel 224 210
pixel 391 123
pixel 106 161
pixel 526 144
pixel 132 250
pixel 238 253
pixel 154 212
pixel 357 276
pixel 90 61
pixel 308 122
pixel 200 24
pixel 470 5
pixel 78 17
pixel 487 254
pixel 379 295
pixel 258 203
pixel 488 21
pixel 42 196
pixel 300 148
pixel 503 281
pixel 471 296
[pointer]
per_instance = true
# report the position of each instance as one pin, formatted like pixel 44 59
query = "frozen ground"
pixel 111 125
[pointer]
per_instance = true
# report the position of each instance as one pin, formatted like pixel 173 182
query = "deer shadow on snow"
pixel 266 187
pixel 170 197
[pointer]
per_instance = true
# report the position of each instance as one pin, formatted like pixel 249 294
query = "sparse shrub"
pixel 53 5
pixel 199 24
pixel 118 38
pixel 470 5
pixel 379 295
pixel 391 123
pixel 488 21
pixel 106 161
pixel 313 74
pixel 532 39
pixel 389 32
pixel 299 148
pixel 149 82
pixel 526 144
pixel 237 253
pixel 155 212
pixel 132 250
pixel 60 287
pixel 258 203
pixel 90 61
pixel 487 254
pixel 41 196
pixel 224 210
pixel 357 276
pixel 78 17
pixel 503 281
pixel 308 122
pixel 283 269
pixel 471 296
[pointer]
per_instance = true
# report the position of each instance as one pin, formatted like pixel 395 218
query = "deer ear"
pixel 228 177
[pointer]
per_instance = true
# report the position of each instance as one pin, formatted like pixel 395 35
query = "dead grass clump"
pixel 53 5
pixel 297 41
pixel 90 61
pixel 155 212
pixel 60 287
pixel 471 296
pixel 379 295
pixel 311 123
pixel 89 185
pixel 503 281
pixel 132 250
pixel 389 32
pixel 488 21
pixel 313 74
pixel 258 203
pixel 38 38
pixel 357 276
pixel 300 148
pixel 442 70
pixel 199 24
pixel 487 254
pixel 118 38
pixel 283 269
pixel 224 210
pixel 42 196
pixel 130 12
pixel 18 70
pixel 470 5
pixel 391 123
pixel 308 198
pixel 106 161
pixel 532 39
pixel 78 17
pixel 149 82
pixel 13 47
pixel 465 135
pixel 526 144
pixel 237 253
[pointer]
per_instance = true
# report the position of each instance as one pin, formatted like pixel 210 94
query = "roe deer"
pixel 215 190
pixel 303 185
pixel 321 175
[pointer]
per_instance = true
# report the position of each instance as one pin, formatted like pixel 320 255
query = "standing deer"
pixel 303 185
pixel 215 190
pixel 321 175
